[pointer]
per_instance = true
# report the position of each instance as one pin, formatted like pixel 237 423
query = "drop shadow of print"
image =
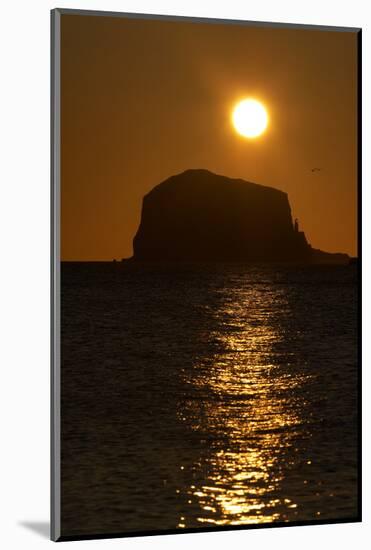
pixel 42 528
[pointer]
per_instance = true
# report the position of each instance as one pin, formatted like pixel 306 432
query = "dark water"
pixel 207 395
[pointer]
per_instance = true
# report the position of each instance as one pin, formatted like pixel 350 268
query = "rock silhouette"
pixel 201 216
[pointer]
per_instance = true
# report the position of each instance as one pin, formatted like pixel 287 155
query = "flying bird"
pixel 316 169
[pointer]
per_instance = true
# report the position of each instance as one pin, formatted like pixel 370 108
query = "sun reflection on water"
pixel 252 414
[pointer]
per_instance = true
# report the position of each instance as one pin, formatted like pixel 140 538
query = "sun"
pixel 250 118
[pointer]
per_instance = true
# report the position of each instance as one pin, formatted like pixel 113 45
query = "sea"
pixel 200 396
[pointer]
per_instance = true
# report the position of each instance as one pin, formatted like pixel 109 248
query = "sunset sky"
pixel 142 100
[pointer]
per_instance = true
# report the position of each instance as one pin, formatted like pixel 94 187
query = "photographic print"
pixel 206 277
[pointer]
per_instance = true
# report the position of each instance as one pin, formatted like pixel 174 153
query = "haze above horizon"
pixel 142 100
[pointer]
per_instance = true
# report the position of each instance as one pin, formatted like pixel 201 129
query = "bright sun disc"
pixel 250 118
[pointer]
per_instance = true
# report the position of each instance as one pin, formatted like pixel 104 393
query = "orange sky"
pixel 142 100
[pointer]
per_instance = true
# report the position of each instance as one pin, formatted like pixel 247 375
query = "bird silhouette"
pixel 316 169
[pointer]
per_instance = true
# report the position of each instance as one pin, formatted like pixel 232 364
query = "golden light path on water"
pixel 253 415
